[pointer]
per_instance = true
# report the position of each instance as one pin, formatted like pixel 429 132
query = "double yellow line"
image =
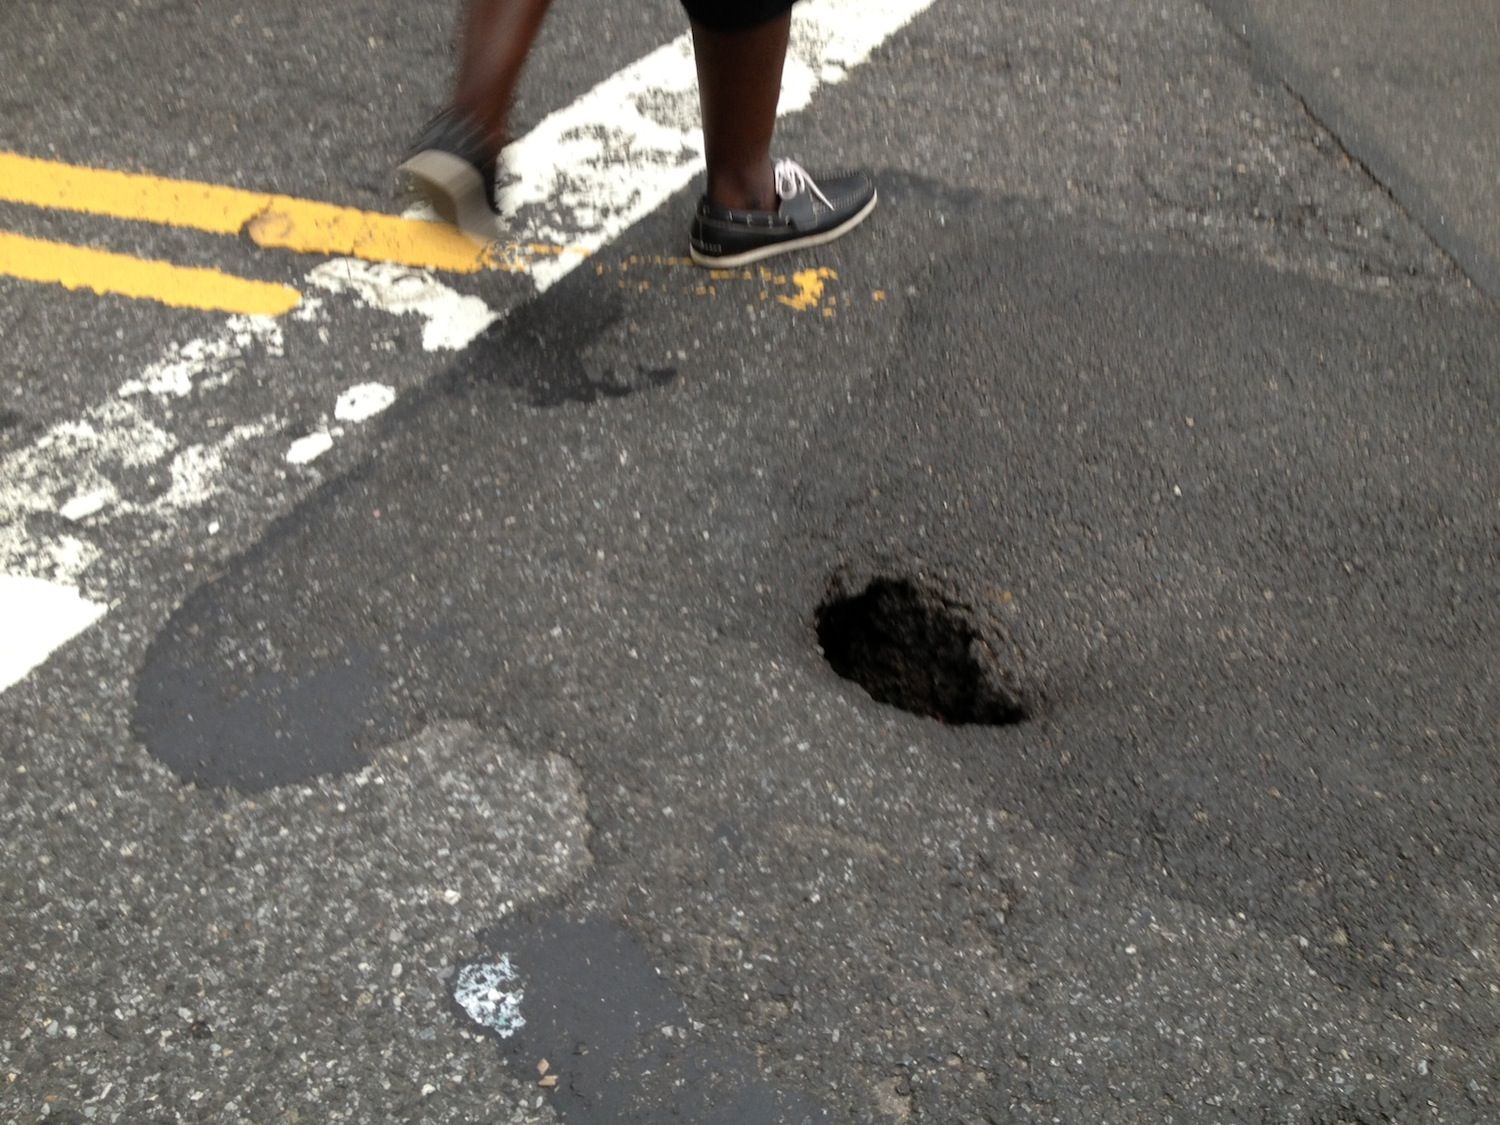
pixel 274 221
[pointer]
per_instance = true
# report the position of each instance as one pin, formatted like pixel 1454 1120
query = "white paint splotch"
pixel 88 503
pixel 359 403
pixel 450 319
pixel 208 358
pixel 308 448
pixel 363 401
pixel 490 994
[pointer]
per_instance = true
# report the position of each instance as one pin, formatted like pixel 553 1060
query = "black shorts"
pixel 734 15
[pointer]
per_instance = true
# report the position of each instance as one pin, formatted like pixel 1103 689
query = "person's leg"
pixel 739 85
pixel 753 209
pixel 452 164
pixel 497 37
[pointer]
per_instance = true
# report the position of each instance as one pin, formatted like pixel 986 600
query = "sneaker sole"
pixel 455 190
pixel 728 261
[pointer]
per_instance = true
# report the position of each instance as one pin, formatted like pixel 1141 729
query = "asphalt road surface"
pixel 1031 660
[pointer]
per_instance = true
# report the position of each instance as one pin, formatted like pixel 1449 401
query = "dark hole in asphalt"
pixel 916 650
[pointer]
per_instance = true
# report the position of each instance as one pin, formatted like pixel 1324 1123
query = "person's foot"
pixel 809 214
pixel 450 167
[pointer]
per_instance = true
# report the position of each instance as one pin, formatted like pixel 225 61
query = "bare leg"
pixel 497 38
pixel 739 84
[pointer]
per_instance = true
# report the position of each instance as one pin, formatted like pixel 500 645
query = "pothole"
pixel 914 649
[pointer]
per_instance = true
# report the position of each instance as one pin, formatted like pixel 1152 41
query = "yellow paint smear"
pixel 78 267
pixel 281 222
pixel 810 285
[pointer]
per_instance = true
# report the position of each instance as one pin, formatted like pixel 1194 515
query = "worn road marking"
pixel 450 319
pixel 810 285
pixel 128 195
pixel 280 222
pixel 581 178
pixel 41 616
pixel 184 287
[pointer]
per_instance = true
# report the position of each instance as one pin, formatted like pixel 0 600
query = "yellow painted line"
pixel 125 195
pixel 78 267
pixel 323 228
pixel 281 222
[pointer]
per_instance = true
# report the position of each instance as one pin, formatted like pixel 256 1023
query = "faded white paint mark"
pixel 40 617
pixel 186 365
pixel 308 449
pixel 87 504
pixel 363 401
pixel 484 990
pixel 309 310
pixel 74 459
pixel 65 559
pixel 198 469
pixel 452 319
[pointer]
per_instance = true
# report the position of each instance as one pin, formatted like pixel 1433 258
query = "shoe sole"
pixel 455 190
pixel 761 253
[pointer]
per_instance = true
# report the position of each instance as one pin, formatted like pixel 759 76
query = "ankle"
pixel 743 191
pixel 489 127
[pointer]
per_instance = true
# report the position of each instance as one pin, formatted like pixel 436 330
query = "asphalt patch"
pixel 252 694
pixel 587 1017
pixel 279 728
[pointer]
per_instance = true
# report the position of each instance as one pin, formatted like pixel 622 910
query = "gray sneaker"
pixel 451 169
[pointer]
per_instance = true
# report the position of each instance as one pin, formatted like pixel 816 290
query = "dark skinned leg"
pixel 497 37
pixel 739 84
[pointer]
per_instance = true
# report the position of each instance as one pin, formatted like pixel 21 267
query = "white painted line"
pixel 39 618
pixel 582 177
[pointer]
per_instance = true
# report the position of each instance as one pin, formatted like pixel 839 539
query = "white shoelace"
pixel 792 180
